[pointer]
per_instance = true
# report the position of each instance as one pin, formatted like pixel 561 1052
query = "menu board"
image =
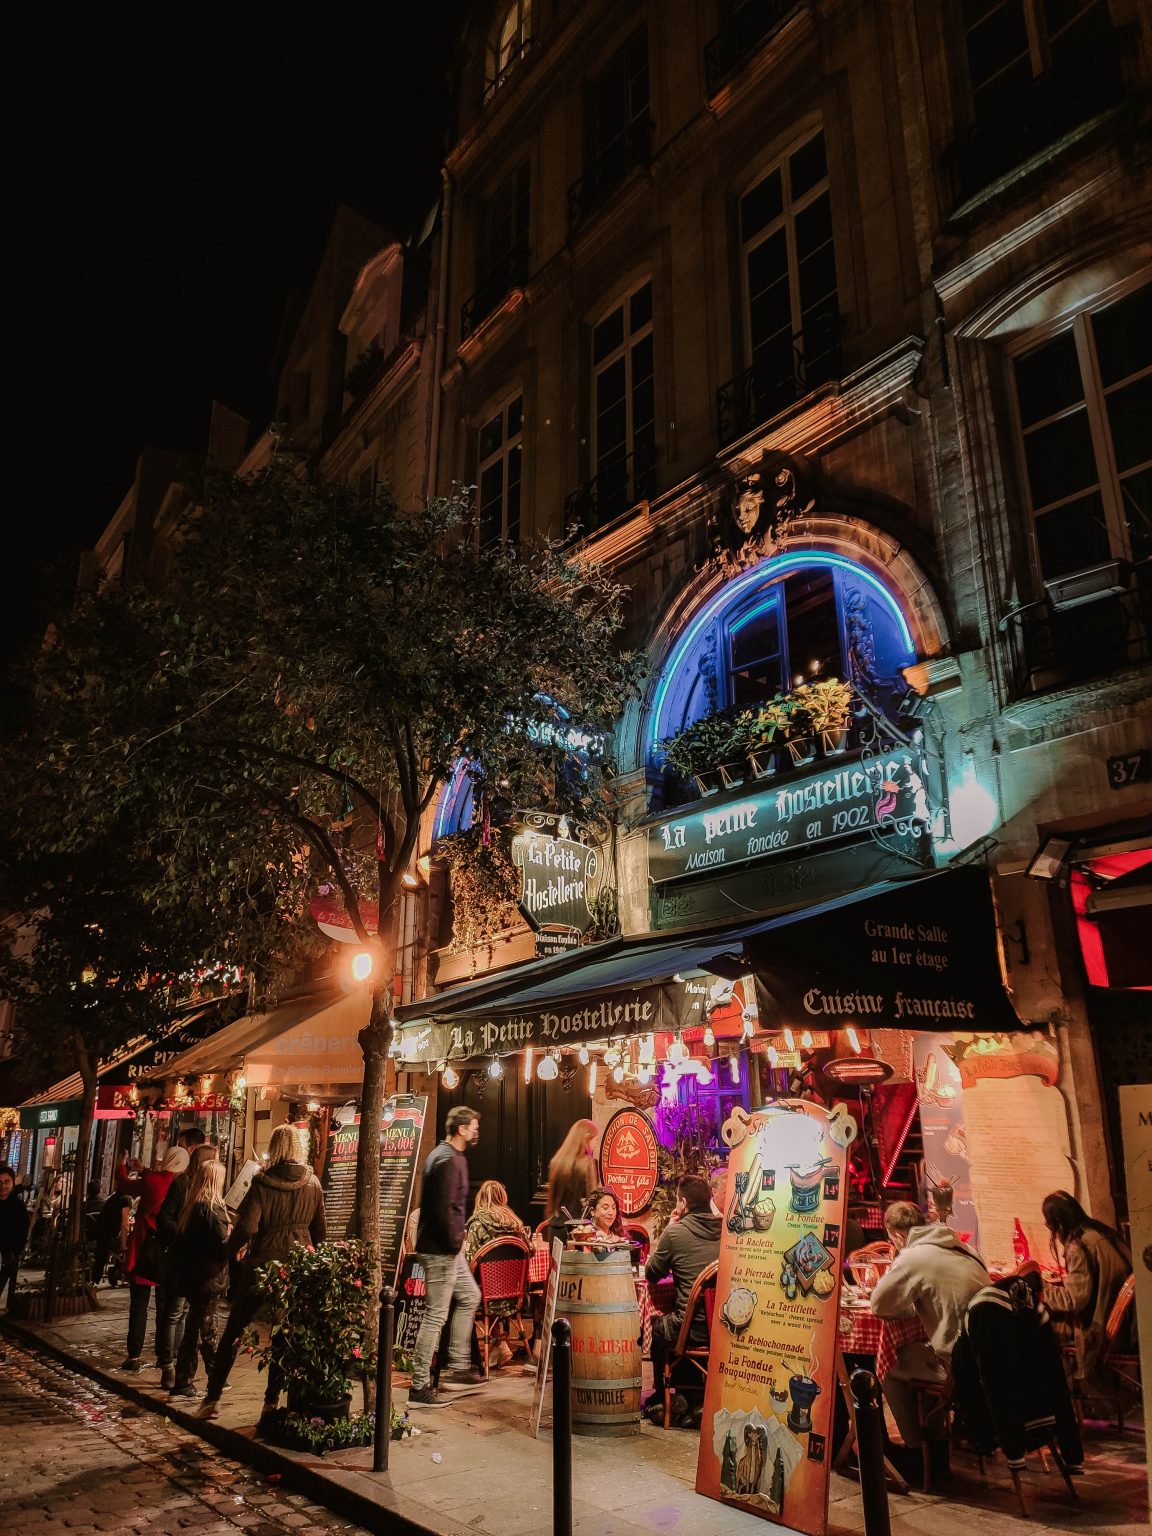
pixel 400 1129
pixel 766 1430
pixel 941 1107
pixel 411 1303
pixel 241 1184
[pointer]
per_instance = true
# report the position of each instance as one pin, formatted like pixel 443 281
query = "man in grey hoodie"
pixel 933 1277
pixel 688 1244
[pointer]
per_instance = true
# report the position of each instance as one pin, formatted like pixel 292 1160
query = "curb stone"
pixel 300 1476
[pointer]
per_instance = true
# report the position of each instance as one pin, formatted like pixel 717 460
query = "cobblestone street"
pixel 80 1459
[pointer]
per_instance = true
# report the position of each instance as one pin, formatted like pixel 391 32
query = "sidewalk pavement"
pixel 475 1470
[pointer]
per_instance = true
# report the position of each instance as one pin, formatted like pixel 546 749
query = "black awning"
pixel 916 954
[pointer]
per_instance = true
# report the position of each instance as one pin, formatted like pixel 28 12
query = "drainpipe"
pixel 433 461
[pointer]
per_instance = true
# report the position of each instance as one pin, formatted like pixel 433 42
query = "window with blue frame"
pixel 793 619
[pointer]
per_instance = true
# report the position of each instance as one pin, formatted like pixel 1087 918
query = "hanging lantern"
pixel 734 1067
pixel 789 1039
pixel 617 1074
pixel 644 1075
pixel 611 1057
pixel 547 1070
pixel 389 1113
pixel 677 1052
pixel 450 1077
pixel 709 1036
pixel 806 1040
pixel 584 1056
pixel 496 1067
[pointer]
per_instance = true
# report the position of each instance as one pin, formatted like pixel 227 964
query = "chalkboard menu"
pixel 411 1302
pixel 400 1129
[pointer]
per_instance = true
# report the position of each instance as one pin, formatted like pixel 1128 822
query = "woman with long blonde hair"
pixel 200 1268
pixel 571 1177
pixel 493 1218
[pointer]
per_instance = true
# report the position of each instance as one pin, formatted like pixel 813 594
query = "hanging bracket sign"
pixel 556 880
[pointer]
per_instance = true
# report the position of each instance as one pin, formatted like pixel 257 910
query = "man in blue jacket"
pixel 439 1247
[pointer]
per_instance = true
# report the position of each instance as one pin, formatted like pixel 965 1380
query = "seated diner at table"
pixel 688 1244
pixel 932 1278
pixel 602 1209
pixel 1095 1263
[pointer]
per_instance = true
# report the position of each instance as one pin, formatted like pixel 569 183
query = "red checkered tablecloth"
pixel 538 1266
pixel 861 1333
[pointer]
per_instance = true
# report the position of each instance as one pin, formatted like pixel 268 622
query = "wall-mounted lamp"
pixel 1050 860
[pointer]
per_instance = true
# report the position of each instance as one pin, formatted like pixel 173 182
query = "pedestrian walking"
pixel 144 1259
pixel 439 1247
pixel 13 1231
pixel 283 1207
pixel 171 1306
pixel 200 1269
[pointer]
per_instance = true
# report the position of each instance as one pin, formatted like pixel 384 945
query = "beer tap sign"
pixel 766 1431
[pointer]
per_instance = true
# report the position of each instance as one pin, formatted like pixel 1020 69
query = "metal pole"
pixel 383 1438
pixel 562 1427
pixel 870 1453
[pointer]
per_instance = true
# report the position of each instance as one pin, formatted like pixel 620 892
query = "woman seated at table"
pixel 1096 1264
pixel 493 1218
pixel 602 1209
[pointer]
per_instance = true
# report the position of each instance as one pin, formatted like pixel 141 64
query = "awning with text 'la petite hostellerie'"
pixel 919 954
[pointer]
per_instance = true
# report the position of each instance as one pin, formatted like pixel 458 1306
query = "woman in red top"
pixel 151 1186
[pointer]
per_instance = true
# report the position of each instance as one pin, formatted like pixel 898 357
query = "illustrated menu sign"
pixel 399 1144
pixel 629 1160
pixel 940 1096
pixel 766 1431
pixel 831 802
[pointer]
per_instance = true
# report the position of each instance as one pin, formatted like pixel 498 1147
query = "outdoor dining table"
pixel 862 1333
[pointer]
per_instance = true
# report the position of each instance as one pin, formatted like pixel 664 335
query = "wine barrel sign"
pixel 629 1160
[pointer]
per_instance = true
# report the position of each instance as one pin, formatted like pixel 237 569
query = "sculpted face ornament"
pixel 760 512
pixel 748 505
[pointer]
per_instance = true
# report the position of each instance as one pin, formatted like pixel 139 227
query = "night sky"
pixel 175 173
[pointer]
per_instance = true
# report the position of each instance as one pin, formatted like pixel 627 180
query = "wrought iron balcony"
pixel 619 484
pixel 510 272
pixel 1056 645
pixel 1055 103
pixel 513 64
pixel 749 27
pixel 609 170
pixel 783 375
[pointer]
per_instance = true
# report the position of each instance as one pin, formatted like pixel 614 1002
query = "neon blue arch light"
pixel 733 591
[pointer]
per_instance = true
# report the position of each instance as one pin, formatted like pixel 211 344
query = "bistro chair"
pixel 500 1269
pixel 703 1296
pixel 1120 1364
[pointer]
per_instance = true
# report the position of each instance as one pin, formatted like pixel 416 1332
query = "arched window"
pixel 792 619
pixel 510 40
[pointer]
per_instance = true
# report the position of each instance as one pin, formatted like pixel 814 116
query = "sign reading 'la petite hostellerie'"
pixel 557 880
pixel 832 802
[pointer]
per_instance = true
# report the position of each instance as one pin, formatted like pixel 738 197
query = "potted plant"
pixel 799 741
pixel 318 1305
pixel 732 733
pixel 829 705
pixel 769 723
pixel 690 756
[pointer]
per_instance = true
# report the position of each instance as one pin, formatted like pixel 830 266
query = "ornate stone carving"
pixel 760 510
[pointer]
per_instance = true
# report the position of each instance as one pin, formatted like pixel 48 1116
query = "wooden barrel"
pixel 598 1297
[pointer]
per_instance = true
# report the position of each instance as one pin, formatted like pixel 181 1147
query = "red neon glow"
pixel 1081 885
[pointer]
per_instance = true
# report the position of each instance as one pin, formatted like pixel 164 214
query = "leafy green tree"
pixel 312 650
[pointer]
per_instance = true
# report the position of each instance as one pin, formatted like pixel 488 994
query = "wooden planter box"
pixel 31 1306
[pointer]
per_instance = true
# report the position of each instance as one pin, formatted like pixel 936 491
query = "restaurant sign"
pixel 836 800
pixel 50 1117
pixel 557 876
pixel 629 1160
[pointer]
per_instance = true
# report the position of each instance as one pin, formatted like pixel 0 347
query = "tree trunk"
pixel 375 1039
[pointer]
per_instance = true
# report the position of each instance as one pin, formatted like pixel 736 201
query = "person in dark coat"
pixel 200 1269
pixel 688 1244
pixel 13 1231
pixel 283 1208
pixel 151 1186
pixel 172 1307
pixel 439 1247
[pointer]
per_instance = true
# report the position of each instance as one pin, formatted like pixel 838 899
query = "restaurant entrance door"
pixel 521 1126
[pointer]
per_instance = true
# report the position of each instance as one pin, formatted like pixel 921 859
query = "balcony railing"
pixel 632 148
pixel 619 483
pixel 510 272
pixel 1052 646
pixel 785 374
pixel 515 60
pixel 1053 105
pixel 749 27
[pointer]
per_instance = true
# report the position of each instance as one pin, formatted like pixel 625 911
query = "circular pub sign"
pixel 628 1160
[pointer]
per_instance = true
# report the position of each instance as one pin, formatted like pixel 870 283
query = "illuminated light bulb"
pixel 806 1040
pixel 644 1075
pixel 617 1074
pixel 773 1056
pixel 853 1038
pixel 592 1081
pixel 496 1067
pixel 241 1083
pixel 205 1086
pixel 703 1071
pixel 583 1055
pixel 709 1036
pixel 450 1077
pixel 389 1113
pixel 677 1052
pixel 611 1057
pixel 789 1039
pixel 528 1064
pixel 734 1068
pixel 361 966
pixel 547 1069
pixel 313 1107
pixel 749 1026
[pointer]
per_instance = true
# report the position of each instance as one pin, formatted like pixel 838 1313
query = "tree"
pixel 312 649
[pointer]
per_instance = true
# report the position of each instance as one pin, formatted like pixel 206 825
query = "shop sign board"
pixel 557 875
pixel 51 1117
pixel 629 1160
pixel 400 1131
pixel 1136 1136
pixel 766 1429
pixel 836 800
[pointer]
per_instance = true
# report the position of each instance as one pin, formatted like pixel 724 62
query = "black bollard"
pixel 384 1379
pixel 870 1453
pixel 562 1427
